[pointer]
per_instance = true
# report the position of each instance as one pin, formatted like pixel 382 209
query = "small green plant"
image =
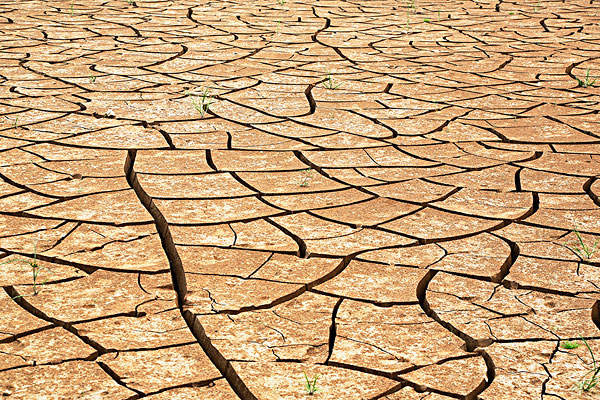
pixel 330 83
pixel 580 248
pixel 92 78
pixel 569 345
pixel 587 80
pixel 72 8
pixel 537 6
pixel 438 15
pixel 587 384
pixel 36 269
pixel 426 20
pixel 201 103
pixel 307 175
pixel 130 2
pixel 16 123
pixel 281 2
pixel 311 384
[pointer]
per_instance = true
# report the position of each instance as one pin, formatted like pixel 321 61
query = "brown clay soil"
pixel 408 234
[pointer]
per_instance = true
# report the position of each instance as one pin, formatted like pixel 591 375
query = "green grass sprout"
pixel 311 384
pixel 587 80
pixel 330 83
pixel 307 175
pixel 36 269
pixel 588 384
pixel 569 345
pixel 580 248
pixel 201 103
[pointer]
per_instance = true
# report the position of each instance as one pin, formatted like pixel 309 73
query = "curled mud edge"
pixel 180 284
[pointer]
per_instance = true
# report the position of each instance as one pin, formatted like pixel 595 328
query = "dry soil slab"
pixel 221 200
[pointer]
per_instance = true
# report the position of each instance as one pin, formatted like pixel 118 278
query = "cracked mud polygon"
pixel 211 199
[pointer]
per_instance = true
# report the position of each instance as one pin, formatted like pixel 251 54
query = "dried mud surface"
pixel 407 235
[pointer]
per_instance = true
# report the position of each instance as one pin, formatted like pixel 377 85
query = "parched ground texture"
pixel 383 193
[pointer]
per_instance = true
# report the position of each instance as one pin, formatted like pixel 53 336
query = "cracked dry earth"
pixel 407 235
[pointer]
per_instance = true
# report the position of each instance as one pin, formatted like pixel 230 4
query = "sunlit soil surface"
pixel 390 200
